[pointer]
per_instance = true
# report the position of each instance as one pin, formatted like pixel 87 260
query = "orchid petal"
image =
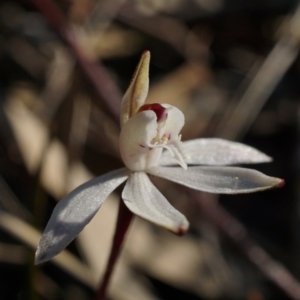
pixel 171 130
pixel 213 151
pixel 146 201
pixel 75 211
pixel 135 141
pixel 137 92
pixel 219 180
pixel 174 123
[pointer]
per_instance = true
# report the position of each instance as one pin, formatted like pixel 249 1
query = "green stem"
pixel 123 222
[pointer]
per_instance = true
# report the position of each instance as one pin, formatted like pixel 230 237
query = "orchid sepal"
pixel 219 180
pixel 137 91
pixel 146 201
pixel 217 152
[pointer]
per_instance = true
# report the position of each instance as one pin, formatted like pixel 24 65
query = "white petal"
pixel 171 130
pixel 177 155
pixel 219 180
pixel 135 141
pixel 146 201
pixel 174 123
pixel 213 151
pixel 137 92
pixel 75 211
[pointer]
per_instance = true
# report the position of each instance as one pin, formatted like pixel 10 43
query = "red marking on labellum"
pixel 159 110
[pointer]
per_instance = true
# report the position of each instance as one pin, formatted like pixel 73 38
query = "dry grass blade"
pixel 58 84
pixel 30 132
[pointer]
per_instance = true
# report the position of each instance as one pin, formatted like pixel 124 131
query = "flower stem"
pixel 123 222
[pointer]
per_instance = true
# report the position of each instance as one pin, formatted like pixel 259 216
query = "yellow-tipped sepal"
pixel 137 92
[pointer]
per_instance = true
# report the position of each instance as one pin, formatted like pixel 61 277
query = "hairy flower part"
pixel 142 139
pixel 150 143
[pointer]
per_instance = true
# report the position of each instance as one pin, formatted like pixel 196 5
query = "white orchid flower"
pixel 150 143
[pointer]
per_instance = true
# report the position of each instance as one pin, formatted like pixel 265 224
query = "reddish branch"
pixel 93 70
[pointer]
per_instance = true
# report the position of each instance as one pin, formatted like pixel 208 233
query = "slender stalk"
pixel 123 222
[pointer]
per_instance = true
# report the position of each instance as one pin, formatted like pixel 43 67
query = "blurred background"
pixel 231 66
